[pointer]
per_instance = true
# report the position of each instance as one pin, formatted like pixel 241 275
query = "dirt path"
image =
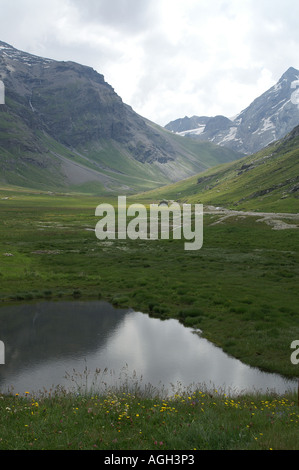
pixel 276 220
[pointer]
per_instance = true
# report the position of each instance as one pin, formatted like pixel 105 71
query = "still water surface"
pixel 46 341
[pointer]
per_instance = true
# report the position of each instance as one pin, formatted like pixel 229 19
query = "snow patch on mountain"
pixel 13 54
pixel 269 117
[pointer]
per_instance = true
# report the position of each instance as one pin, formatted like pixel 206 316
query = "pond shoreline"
pixel 77 296
pixel 170 332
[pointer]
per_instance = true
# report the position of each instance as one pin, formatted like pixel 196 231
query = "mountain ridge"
pixel 267 119
pixel 265 181
pixel 63 126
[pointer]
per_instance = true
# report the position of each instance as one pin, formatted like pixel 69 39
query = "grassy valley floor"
pixel 240 289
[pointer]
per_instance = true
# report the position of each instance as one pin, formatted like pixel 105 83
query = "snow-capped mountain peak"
pixel 11 53
pixel 268 118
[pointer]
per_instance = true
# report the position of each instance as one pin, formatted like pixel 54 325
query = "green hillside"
pixel 265 181
pixel 63 128
pixel 34 159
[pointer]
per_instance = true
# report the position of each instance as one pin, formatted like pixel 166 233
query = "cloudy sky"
pixel 165 58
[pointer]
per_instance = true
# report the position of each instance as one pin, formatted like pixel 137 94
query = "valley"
pixel 240 288
pixel 68 143
pixel 64 128
pixel 264 181
pixel 149 228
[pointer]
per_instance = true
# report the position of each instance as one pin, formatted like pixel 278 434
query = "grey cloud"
pixel 162 68
pixel 125 15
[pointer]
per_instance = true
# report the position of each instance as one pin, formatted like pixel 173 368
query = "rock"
pixel 268 118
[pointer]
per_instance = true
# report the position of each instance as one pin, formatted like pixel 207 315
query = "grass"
pixel 256 182
pixel 240 289
pixel 34 159
pixel 122 420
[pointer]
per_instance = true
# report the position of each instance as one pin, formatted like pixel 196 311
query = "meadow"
pixel 240 288
pixel 122 420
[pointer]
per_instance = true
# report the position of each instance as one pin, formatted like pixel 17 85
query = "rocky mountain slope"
pixel 269 118
pixel 265 181
pixel 62 126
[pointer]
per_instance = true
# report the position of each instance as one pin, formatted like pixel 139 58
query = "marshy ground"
pixel 240 289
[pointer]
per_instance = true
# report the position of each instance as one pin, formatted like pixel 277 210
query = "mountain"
pixel 63 127
pixel 185 124
pixel 269 118
pixel 265 181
